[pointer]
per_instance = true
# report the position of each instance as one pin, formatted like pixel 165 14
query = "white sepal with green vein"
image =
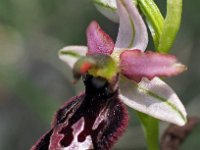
pixel 70 54
pixel 132 29
pixel 155 98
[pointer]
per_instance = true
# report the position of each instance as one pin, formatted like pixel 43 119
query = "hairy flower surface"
pixel 93 120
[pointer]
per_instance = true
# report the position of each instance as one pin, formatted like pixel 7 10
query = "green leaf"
pixel 171 25
pixel 151 130
pixel 154 19
pixel 163 31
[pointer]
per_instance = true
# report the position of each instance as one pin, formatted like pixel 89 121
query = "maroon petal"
pixel 93 120
pixel 136 64
pixel 98 41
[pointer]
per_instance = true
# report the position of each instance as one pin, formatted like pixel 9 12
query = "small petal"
pixel 71 54
pixel 136 64
pixel 132 29
pixel 155 98
pixel 98 41
pixel 108 8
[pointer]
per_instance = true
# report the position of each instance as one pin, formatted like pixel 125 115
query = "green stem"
pixel 151 129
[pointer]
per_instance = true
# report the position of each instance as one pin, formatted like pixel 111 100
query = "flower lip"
pixel 97 84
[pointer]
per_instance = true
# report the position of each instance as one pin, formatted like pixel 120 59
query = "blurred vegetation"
pixel 34 83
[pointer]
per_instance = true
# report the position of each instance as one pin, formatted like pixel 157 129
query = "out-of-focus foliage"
pixel 192 142
pixel 34 83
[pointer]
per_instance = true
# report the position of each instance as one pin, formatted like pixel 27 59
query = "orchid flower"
pixel 140 87
pixel 114 75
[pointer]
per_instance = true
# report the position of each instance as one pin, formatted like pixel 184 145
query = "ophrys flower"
pixel 112 74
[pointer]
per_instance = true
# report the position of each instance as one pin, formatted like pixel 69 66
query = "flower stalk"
pixel 150 127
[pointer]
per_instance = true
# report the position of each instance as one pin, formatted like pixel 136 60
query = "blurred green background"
pixel 34 82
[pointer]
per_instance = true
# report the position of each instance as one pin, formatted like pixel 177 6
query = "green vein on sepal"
pixel 166 101
pixel 68 52
pixel 133 33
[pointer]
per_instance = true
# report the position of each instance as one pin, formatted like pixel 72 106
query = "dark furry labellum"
pixel 92 120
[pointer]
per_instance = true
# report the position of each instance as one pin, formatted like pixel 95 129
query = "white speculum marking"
pixel 78 127
pixel 100 118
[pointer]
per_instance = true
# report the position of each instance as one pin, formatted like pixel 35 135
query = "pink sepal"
pixel 98 41
pixel 136 64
